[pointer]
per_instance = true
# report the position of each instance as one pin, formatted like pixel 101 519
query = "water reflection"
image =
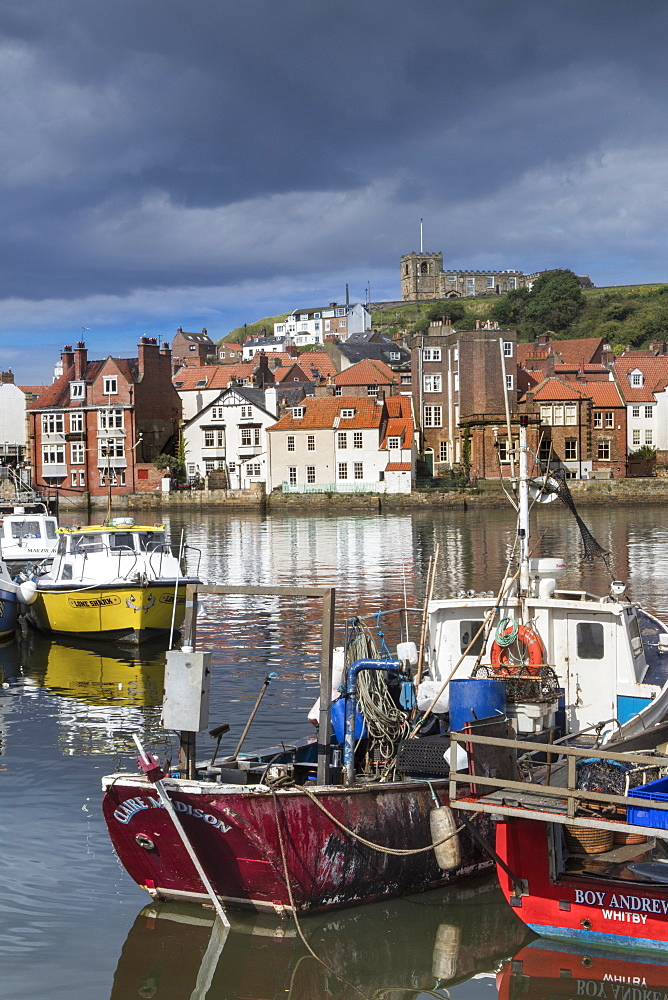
pixel 65 721
pixel 428 942
pixel 545 970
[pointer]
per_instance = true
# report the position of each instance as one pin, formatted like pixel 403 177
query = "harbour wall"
pixel 487 494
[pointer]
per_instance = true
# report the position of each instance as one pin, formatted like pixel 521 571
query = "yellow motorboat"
pixel 118 581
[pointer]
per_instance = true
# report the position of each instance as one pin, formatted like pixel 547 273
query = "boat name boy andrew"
pixel 617 901
pixel 131 806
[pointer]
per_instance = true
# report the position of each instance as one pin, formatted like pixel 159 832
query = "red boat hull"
pixel 600 911
pixel 235 833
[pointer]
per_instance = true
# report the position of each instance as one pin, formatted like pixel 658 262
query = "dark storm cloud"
pixel 155 144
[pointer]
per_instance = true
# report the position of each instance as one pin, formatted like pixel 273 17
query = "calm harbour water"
pixel 72 923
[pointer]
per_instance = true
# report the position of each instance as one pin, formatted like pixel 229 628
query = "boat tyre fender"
pixel 532 650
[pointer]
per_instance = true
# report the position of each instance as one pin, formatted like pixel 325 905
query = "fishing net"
pixel 592 550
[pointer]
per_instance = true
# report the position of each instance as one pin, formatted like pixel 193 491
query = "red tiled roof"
pixel 320 360
pixel 603 393
pixel 655 375
pixel 401 428
pixel 571 352
pixel 215 376
pixel 33 390
pixel 399 406
pixel 367 372
pixel 322 411
pixel 398 467
pixel 555 388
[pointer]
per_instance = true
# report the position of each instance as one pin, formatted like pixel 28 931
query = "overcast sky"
pixel 208 162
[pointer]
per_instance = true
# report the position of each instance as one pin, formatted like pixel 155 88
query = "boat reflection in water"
pixel 105 691
pixel 547 970
pixel 428 942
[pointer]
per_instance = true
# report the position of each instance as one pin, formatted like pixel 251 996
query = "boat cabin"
pixel 605 673
pixel 28 536
pixel 118 549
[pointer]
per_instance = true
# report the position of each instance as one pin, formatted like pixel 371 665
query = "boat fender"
pixel 28 591
pixel 445 958
pixel 442 824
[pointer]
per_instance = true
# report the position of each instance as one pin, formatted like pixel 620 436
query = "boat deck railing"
pixel 548 801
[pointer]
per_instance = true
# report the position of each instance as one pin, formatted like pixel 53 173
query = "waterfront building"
pixel 643 380
pixel 100 426
pixel 462 380
pixel 226 441
pixel 344 444
pixel 582 427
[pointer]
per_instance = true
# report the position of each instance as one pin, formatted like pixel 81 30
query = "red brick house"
pixel 583 427
pixel 192 348
pixel 102 424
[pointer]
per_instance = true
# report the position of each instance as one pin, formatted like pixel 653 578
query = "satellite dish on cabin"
pixel 544 489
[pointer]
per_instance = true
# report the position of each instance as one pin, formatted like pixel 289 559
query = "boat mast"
pixel 523 506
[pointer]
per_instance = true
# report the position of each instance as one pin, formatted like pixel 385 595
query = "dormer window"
pixel 298 411
pixel 636 379
pixel 347 414
pixel 77 390
pixel 394 442
pixel 110 386
pixel 201 384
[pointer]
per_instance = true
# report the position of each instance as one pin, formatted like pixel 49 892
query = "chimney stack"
pixel 67 357
pixel 80 359
pixel 148 354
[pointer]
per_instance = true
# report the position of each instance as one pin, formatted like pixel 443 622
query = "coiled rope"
pixel 506 631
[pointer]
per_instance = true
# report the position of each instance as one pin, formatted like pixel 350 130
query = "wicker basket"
pixel 628 839
pixel 583 840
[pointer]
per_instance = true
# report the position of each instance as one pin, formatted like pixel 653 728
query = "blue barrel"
pixel 475 698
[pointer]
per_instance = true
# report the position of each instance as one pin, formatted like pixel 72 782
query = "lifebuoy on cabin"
pixel 530 648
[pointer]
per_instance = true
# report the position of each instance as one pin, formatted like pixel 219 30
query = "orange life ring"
pixel 534 650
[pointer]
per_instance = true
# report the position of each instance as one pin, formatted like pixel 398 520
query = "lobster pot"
pixel 475 698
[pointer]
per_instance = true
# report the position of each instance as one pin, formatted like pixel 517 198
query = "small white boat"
pixel 28 535
pixel 118 581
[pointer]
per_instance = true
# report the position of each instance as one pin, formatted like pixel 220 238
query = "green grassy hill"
pixel 622 314
pixel 255 329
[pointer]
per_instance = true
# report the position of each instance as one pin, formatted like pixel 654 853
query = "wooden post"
pixel 187 754
pixel 324 721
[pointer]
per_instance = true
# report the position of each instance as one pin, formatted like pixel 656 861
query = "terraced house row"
pixel 366 415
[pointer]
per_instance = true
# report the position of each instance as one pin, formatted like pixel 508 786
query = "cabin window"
pixel 590 642
pixel 87 543
pixel 466 632
pixel 25 529
pixel 51 531
pixel 67 572
pixel 152 541
pixel 634 634
pixel 121 540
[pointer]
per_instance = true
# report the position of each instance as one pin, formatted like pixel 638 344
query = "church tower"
pixel 421 276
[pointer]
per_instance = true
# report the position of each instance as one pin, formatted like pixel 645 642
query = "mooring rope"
pixel 401 852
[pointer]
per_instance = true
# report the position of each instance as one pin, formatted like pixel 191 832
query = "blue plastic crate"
pixel 656 791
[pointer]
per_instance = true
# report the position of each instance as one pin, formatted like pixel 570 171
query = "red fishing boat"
pixel 578 861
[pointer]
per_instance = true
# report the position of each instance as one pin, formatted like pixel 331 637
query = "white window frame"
pixel 433 416
pixel 342 471
pixel 77 453
pixel 507 348
pixel 110 385
pixel 53 423
pixel 431 353
pixel 290 443
pixel 433 382
pixel 342 440
pixel 310 474
pixel 77 390
pixel 358 470
pixel 358 439
pixel 76 422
